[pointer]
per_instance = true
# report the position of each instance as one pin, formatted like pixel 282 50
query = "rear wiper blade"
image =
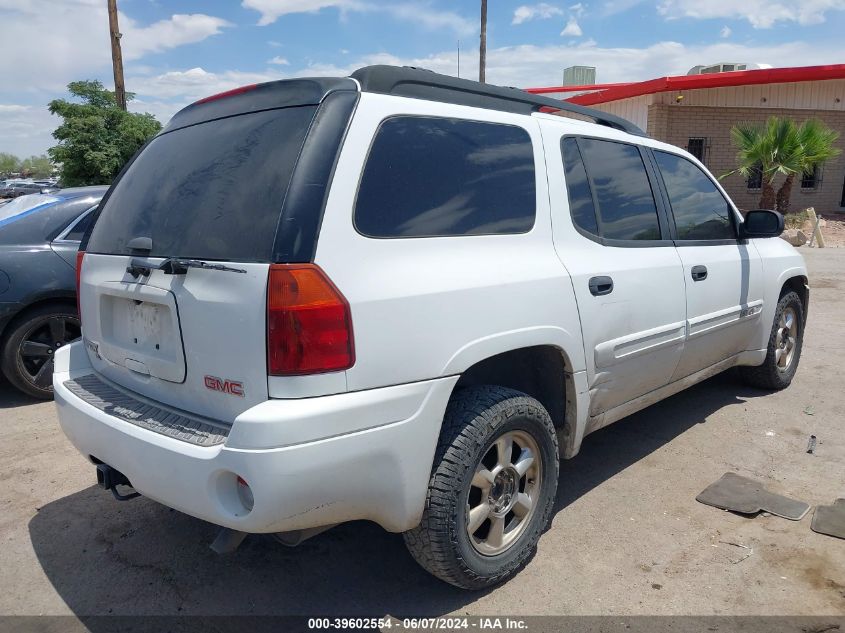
pixel 176 266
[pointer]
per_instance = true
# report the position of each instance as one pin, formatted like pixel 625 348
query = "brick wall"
pixel 676 124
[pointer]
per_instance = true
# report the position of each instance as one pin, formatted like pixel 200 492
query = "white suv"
pixel 400 297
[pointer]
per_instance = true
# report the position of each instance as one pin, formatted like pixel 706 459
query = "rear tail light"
pixel 80 255
pixel 309 325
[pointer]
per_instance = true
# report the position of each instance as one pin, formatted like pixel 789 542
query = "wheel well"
pixel 799 286
pixel 539 371
pixel 67 301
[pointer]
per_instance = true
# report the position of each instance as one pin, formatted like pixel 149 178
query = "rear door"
pixel 723 274
pixel 612 235
pixel 211 192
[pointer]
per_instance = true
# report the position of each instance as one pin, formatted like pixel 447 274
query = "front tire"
pixel 492 488
pixel 784 349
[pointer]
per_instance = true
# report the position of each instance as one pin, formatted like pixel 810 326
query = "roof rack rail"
pixel 418 83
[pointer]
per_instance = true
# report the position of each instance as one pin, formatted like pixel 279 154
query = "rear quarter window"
pixel 434 177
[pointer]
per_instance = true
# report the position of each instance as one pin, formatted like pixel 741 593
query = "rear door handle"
pixel 601 286
pixel 699 273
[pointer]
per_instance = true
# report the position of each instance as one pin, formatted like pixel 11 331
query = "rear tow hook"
pixel 109 478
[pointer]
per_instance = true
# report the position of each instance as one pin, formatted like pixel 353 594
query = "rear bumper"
pixel 368 455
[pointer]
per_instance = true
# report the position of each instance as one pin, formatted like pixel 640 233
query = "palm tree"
pixel 781 147
pixel 816 141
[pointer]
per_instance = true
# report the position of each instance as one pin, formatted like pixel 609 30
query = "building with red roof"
pixel 697 111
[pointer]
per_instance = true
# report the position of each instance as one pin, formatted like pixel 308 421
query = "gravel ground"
pixel 628 536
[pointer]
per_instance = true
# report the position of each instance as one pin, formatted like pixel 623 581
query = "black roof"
pixel 403 81
pixel 418 83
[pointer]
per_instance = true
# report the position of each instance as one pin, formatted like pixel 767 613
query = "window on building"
pixel 581 206
pixel 842 199
pixel 811 179
pixel 697 146
pixel 431 176
pixel 755 178
pixel 619 180
pixel 701 211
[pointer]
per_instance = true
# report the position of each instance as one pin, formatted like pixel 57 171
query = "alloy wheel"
pixel 785 339
pixel 503 493
pixel 39 346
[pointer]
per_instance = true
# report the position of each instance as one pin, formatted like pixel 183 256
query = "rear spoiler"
pixel 286 93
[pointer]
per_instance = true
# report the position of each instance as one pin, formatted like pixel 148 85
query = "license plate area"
pixel 139 330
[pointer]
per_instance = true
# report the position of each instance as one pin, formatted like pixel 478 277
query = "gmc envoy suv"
pixel 402 297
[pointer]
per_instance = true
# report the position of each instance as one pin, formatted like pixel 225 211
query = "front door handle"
pixel 699 273
pixel 601 286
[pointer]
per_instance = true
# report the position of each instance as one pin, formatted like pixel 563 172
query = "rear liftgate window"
pixel 429 177
pixel 208 191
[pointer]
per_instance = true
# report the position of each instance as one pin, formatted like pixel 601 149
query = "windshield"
pixel 25 204
pixel 212 190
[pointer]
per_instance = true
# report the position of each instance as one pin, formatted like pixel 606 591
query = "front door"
pixel 612 236
pixel 723 275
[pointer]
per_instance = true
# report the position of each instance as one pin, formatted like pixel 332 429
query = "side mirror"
pixel 762 223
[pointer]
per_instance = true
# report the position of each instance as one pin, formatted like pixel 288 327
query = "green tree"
pixel 9 164
pixel 781 147
pixel 96 137
pixel 37 167
pixel 816 142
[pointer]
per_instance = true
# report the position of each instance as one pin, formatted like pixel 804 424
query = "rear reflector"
pixel 80 255
pixel 309 325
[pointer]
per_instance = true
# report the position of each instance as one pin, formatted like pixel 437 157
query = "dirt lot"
pixel 628 536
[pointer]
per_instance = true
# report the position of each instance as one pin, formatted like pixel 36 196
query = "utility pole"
pixel 459 59
pixel 116 56
pixel 482 49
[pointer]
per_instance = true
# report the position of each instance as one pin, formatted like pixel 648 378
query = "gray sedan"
pixel 39 237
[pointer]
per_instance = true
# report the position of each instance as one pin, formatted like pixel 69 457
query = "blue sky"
pixel 179 50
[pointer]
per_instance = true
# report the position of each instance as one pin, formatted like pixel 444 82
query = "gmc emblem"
pixel 224 386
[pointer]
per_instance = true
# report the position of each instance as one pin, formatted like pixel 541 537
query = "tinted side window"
pixel 581 205
pixel 700 210
pixel 76 233
pixel 627 210
pixel 428 177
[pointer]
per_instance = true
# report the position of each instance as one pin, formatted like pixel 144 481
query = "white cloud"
pixel 578 10
pixel 278 61
pixel 761 14
pixel 25 130
pixel 179 30
pixel 419 13
pixel 572 29
pixel 58 41
pixel 725 32
pixel 430 18
pixel 272 10
pixel 542 11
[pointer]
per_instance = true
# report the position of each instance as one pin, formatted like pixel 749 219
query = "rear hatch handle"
pixel 176 266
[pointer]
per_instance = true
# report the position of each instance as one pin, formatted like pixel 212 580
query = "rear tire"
pixel 32 339
pixel 784 349
pixel 490 496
